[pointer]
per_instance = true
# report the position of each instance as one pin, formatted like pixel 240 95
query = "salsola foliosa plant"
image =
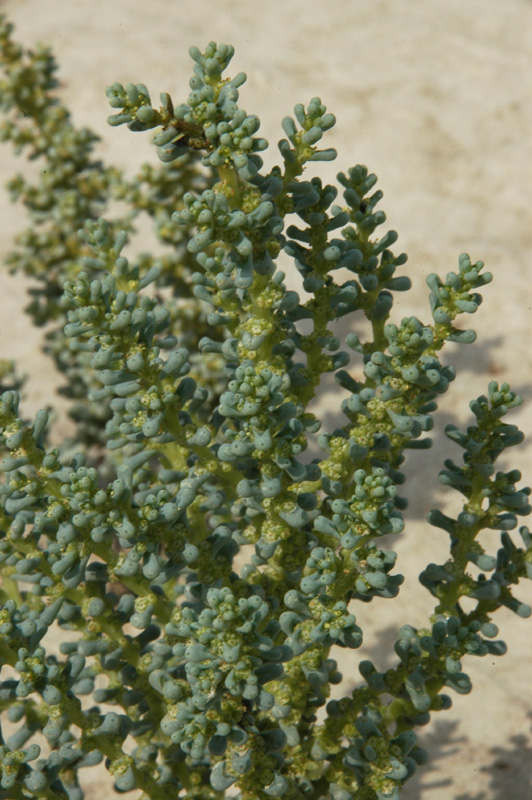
pixel 194 559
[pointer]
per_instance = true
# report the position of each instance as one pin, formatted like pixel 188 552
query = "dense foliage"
pixel 195 561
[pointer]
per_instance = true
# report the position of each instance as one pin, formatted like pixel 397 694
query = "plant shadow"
pixel 509 766
pixel 509 770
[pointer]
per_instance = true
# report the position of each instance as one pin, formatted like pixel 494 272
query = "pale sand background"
pixel 435 98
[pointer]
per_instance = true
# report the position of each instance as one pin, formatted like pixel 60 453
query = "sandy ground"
pixel 435 98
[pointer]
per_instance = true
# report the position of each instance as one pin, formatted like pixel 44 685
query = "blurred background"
pixel 436 99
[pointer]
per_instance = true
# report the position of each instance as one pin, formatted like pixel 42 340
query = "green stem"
pixel 229 177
